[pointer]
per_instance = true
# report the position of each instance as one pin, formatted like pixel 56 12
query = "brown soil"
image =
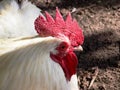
pixel 99 63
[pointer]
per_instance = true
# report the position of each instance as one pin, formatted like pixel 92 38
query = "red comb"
pixel 47 26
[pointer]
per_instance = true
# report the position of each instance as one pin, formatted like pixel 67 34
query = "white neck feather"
pixel 30 68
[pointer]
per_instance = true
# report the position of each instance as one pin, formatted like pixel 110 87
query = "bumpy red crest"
pixel 47 26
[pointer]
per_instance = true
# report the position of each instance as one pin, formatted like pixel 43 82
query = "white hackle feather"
pixel 16 21
pixel 25 64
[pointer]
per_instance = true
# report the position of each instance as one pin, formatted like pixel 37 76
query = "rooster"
pixel 36 51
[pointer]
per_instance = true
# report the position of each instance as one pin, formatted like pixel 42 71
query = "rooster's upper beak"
pixel 79 48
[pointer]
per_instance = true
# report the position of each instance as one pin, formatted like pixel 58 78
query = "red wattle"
pixel 68 63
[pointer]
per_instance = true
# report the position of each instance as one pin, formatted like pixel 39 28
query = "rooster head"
pixel 58 27
pixel 67 30
pixel 66 58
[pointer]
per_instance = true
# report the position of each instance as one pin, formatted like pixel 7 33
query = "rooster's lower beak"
pixel 79 48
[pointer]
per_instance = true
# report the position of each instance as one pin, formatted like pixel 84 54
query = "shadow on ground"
pixel 76 3
pixel 101 49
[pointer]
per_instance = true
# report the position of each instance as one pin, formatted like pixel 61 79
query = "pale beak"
pixel 79 48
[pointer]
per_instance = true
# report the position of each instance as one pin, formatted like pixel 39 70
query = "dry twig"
pixel 93 77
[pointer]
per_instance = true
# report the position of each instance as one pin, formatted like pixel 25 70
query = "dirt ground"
pixel 99 63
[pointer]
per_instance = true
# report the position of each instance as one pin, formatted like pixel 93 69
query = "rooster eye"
pixel 63 47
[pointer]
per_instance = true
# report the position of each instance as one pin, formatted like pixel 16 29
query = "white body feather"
pixel 17 21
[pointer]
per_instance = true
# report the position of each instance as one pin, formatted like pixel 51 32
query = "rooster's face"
pixel 66 58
